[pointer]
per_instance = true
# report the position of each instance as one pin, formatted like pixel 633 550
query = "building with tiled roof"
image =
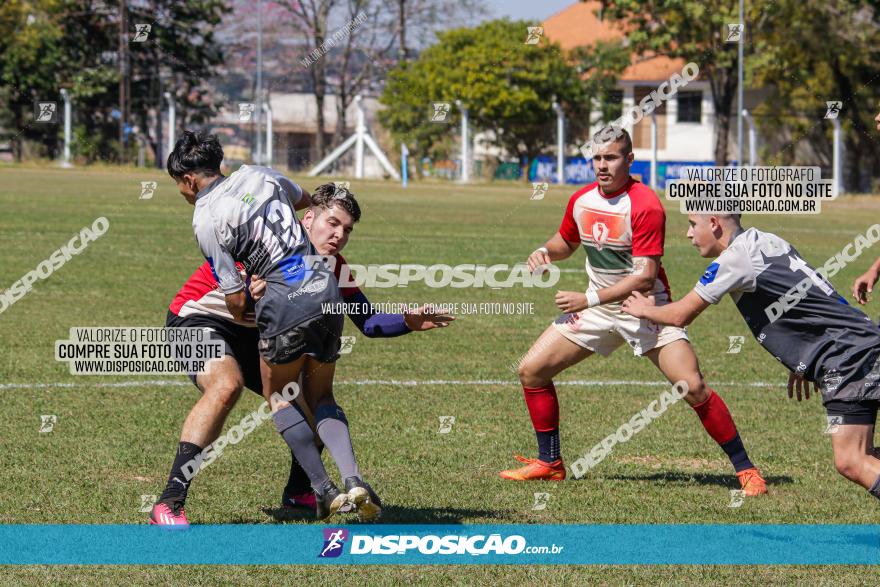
pixel 684 123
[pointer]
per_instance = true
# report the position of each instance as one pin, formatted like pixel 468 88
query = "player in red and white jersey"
pixel 621 224
pixel 200 303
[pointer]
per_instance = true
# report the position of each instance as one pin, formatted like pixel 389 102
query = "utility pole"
pixel 401 25
pixel 739 119
pixel 123 76
pixel 259 97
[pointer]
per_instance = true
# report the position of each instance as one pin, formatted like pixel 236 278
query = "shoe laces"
pixel 748 476
pixel 175 506
pixel 523 459
pixel 327 488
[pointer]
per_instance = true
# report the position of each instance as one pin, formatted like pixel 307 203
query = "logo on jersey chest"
pixel 600 233
pixel 604 228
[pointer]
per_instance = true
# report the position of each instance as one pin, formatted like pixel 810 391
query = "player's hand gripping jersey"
pixel 820 337
pixel 613 229
pixel 249 218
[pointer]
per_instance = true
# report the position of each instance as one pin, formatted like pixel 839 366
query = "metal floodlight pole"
pixel 171 123
pixel 560 143
pixel 259 105
pixel 268 110
pixel 739 118
pixel 404 164
pixel 837 159
pixel 358 140
pixel 65 95
pixel 753 139
pixel 465 171
pixel 360 131
pixel 142 150
pixel 654 149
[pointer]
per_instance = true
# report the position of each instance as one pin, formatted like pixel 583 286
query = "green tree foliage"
pixel 810 52
pixel 507 86
pixel 47 45
pixel 31 47
pixel 695 30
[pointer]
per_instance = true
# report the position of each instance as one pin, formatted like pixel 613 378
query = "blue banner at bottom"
pixel 447 544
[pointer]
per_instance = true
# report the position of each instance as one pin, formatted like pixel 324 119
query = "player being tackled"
pixel 621 225
pixel 248 218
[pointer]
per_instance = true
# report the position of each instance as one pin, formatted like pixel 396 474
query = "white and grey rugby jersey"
pixel 792 310
pixel 249 218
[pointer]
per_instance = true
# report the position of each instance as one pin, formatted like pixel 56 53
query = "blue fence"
pixel 578 170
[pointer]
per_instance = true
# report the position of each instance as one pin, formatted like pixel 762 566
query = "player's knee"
pixel 224 391
pixel 847 465
pixel 698 391
pixel 530 374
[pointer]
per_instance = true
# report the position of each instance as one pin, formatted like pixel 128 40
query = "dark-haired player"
pixel 248 218
pixel 199 303
pixel 798 317
pixel 621 225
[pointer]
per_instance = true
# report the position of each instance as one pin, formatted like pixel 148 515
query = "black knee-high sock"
pixel 875 488
pixel 178 485
pixel 297 481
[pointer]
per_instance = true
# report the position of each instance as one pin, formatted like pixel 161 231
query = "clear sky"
pixel 536 10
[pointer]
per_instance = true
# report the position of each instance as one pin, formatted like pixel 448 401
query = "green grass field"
pixel 113 444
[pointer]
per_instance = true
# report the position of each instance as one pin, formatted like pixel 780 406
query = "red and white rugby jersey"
pixel 614 228
pixel 201 295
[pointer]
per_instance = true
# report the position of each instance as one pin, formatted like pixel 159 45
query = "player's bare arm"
pixel 680 313
pixel 864 284
pixel 555 249
pixel 642 279
pixel 237 304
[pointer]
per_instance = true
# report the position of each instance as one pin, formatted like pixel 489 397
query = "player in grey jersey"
pixel 796 315
pixel 249 218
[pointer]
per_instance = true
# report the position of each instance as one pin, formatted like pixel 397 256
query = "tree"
pixel 47 45
pixel 419 21
pixel 181 55
pixel 31 46
pixel 350 44
pixel 367 54
pixel 364 54
pixel 694 30
pixel 506 85
pixel 812 52
pixel 314 20
pixel 600 66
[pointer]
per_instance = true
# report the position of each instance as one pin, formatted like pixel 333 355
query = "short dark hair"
pixel 329 194
pixel 620 135
pixel 195 152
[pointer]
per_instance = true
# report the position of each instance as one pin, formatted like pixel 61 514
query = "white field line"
pixel 391 382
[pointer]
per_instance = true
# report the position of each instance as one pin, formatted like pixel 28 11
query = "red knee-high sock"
pixel 716 418
pixel 719 424
pixel 544 410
